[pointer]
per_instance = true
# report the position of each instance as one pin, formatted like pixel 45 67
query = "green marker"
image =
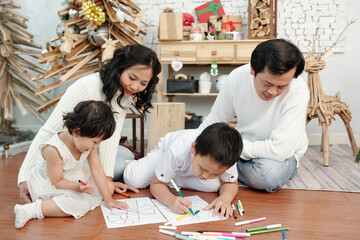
pixel 263 228
pixel 178 190
pixel 270 230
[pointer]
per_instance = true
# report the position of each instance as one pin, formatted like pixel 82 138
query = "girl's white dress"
pixel 71 202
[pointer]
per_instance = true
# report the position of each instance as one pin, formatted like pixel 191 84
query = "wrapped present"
pixel 214 21
pixel 212 8
pixel 170 25
pixel 231 23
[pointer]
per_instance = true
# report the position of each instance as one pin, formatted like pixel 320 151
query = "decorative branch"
pixel 338 39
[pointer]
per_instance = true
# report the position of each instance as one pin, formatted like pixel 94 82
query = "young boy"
pixel 204 161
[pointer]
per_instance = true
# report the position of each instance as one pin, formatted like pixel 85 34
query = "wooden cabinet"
pixel 200 53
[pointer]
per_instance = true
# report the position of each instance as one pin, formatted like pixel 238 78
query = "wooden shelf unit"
pixel 225 52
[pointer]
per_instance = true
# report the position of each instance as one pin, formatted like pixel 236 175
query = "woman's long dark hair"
pixel 123 59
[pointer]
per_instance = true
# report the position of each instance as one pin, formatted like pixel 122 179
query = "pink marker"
pixel 250 221
pixel 237 235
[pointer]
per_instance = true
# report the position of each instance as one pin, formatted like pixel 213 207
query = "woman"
pixel 131 73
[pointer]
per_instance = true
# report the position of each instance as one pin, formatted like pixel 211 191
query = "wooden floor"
pixel 315 215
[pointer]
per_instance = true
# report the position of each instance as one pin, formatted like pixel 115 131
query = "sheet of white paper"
pixel 141 211
pixel 197 204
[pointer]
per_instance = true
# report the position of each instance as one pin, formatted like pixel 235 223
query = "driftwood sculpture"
pixel 322 106
pixel 16 86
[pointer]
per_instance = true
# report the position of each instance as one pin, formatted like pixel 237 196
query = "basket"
pixel 181 83
pixel 192 121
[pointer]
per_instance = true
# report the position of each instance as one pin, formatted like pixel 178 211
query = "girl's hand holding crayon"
pixel 111 203
pixel 180 205
pixel 86 187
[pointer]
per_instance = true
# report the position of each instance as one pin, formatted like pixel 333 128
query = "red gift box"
pixel 212 8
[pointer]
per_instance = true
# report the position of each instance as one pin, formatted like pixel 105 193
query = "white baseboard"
pixel 315 139
pixel 15 148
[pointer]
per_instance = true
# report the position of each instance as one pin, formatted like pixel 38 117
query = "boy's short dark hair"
pixel 92 118
pixel 278 56
pixel 221 142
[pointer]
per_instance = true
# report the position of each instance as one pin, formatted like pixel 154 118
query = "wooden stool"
pixel 324 107
pixel 165 117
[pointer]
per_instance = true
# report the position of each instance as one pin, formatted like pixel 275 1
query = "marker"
pixel 238 235
pixel 181 217
pixel 189 233
pixel 225 234
pixel 233 207
pixel 179 236
pixel 263 228
pixel 250 221
pixel 178 190
pixel 83 183
pixel 124 194
pixel 241 206
pixel 284 235
pixel 177 219
pixel 167 227
pixel 270 230
pixel 240 211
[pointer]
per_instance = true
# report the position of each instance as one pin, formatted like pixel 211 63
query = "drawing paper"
pixel 141 211
pixel 197 204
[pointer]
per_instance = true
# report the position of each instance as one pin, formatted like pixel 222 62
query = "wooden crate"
pixel 164 117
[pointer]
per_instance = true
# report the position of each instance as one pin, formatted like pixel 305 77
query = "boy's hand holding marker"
pixel 180 205
pixel 86 187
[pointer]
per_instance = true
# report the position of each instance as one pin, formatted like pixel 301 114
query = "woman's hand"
pixel 24 192
pixel 119 187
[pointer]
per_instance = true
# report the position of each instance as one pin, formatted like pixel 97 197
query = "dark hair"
pixel 221 142
pixel 123 59
pixel 278 56
pixel 92 118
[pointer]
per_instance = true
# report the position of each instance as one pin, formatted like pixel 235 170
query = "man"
pixel 269 100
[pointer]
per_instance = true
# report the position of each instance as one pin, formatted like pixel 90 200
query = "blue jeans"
pixel 266 174
pixel 123 154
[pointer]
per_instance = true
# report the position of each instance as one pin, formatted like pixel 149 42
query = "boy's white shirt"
pixel 177 157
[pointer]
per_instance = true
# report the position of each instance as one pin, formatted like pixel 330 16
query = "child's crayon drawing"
pixel 141 211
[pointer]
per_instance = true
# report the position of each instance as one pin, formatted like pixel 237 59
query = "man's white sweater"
pixel 272 129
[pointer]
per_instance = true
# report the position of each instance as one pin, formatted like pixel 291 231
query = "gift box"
pixel 231 23
pixel 212 8
pixel 170 26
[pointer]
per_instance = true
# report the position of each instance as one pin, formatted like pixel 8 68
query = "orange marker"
pixel 83 183
pixel 124 194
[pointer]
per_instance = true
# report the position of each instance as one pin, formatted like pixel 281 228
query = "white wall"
pixel 339 75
